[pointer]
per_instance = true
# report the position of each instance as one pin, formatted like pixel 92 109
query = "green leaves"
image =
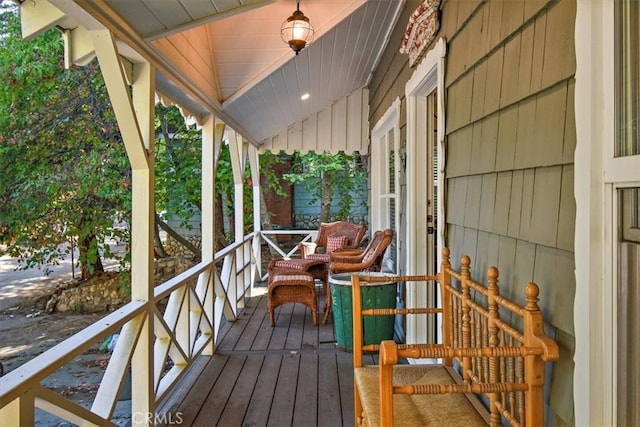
pixel 65 171
pixel 329 177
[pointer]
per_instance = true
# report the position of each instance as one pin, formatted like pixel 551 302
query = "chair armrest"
pixel 307 248
pixel 347 251
pixel 345 267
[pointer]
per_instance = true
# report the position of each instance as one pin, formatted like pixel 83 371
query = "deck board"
pixel 289 375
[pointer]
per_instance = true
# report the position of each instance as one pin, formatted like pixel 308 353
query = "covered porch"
pixel 293 374
pixel 206 315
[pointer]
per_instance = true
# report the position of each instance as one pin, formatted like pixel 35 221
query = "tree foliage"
pixel 65 172
pixel 328 177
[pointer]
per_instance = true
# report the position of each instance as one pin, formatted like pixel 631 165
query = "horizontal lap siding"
pixel 510 143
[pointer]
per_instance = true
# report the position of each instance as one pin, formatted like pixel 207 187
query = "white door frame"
pixel 427 78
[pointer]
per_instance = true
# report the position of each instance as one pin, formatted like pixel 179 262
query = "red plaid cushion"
pixel 336 242
pixel 319 257
pixel 285 263
pixel 291 277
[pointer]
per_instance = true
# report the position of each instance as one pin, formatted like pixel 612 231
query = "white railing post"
pixel 135 115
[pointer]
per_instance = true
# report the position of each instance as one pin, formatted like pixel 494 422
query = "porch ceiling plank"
pixel 114 78
pixel 226 56
pixel 199 13
pixel 189 53
pixel 172 81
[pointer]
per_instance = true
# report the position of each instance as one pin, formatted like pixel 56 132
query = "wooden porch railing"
pixel 196 301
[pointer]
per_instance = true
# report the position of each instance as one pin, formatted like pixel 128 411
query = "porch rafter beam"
pixel 102 12
pixel 119 93
pixel 37 17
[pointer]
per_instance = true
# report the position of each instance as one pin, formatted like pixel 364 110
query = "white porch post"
pixel 211 142
pixel 135 119
pixel 254 163
pixel 238 165
pixel 236 151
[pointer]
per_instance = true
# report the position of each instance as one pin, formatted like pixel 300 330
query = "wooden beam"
pixel 38 16
pixel 114 78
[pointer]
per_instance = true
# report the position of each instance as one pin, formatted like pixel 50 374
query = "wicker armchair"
pixel 353 232
pixel 369 259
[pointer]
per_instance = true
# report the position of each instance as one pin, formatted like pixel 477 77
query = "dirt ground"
pixel 26 332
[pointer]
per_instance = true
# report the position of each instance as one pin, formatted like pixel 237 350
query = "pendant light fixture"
pixel 297 30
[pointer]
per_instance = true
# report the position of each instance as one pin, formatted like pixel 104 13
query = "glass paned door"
pixel 628 78
pixel 627 196
pixel 628 315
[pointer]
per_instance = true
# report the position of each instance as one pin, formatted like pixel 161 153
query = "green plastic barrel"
pixel 374 295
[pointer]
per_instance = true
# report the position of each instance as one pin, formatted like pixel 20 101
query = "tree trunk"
pixel 90 261
pixel 220 240
pixel 171 232
pixel 158 248
pixel 325 203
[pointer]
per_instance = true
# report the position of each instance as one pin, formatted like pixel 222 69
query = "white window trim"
pixel 389 121
pixel 598 176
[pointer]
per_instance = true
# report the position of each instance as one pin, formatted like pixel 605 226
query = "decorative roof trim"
pixel 422 29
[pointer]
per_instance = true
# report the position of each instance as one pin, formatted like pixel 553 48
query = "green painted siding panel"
pixel 456 197
pixel 546 206
pixel 459 112
pixel 507 135
pixel 494 73
pixel 501 211
pixel 474 147
pixel 569 146
pixel 567 215
pixel 478 93
pixel 528 187
pixel 509 89
pixel 459 148
pixel 552 273
pixel 512 17
pixel 483 149
pixel 559 54
pixel 526 144
pixel 487 202
pixel 549 127
pixel 472 204
pixel 526 62
pixel 515 206
pixel 540 27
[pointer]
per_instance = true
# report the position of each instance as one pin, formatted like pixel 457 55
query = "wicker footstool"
pixel 292 286
pixel 318 269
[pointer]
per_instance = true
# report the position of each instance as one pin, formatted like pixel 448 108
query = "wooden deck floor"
pixel 290 375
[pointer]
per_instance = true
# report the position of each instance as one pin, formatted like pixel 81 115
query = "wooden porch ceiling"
pixel 227 57
pixel 292 374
